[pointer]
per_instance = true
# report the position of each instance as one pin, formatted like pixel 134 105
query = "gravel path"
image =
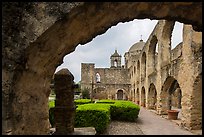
pixel 123 128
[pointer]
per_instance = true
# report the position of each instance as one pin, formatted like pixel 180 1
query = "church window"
pixel 98 78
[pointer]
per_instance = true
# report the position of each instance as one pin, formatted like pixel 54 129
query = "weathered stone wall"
pixel 22 24
pixel 111 75
pixel 170 65
pixel 87 75
pixel 36 36
pixel 110 80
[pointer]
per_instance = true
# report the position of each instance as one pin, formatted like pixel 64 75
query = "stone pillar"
pixel 64 104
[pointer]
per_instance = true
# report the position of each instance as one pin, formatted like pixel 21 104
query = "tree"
pixel 85 93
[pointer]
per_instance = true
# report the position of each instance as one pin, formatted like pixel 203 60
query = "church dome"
pixel 137 46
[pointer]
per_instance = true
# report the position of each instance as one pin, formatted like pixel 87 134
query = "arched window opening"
pixel 177 35
pixel 98 78
pixel 143 65
pixel 115 63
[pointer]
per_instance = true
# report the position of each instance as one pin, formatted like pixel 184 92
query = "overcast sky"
pixel 120 37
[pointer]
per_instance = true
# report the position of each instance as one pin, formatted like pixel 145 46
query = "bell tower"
pixel 115 60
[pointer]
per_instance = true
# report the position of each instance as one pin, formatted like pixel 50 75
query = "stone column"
pixel 64 104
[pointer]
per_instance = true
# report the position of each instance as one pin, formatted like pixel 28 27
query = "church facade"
pixel 113 82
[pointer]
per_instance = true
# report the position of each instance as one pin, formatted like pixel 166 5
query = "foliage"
pixel 93 115
pixel 99 114
pixel 51 104
pixel 82 101
pixel 85 93
pixel 124 111
pixel 107 101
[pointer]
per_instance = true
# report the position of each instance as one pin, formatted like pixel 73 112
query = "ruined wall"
pixel 110 80
pixel 114 75
pixel 87 75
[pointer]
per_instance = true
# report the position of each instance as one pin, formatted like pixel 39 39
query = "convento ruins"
pixel 37 35
pixel 153 80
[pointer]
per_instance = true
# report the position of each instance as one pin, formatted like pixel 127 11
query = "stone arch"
pixel 137 96
pixel 143 65
pixel 134 95
pixel 171 95
pixel 61 39
pixel 121 94
pixel 165 52
pixel 152 54
pixel 138 69
pixel 152 97
pixel 196 116
pixel 143 97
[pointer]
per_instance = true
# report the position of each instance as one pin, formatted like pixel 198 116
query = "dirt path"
pixel 123 128
pixel 148 123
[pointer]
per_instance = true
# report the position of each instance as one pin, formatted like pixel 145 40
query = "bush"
pixel 99 114
pixel 107 101
pixel 124 111
pixel 85 93
pixel 82 101
pixel 93 115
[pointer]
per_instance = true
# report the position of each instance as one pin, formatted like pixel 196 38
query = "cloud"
pixel 120 37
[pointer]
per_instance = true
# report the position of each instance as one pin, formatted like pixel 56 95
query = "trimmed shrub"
pixel 82 101
pixel 106 101
pixel 124 111
pixel 93 115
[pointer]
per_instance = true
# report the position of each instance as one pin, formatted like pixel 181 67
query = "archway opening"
pixel 120 94
pixel 137 96
pixel 153 53
pixel 177 35
pixel 143 66
pixel 152 97
pixel 171 95
pixel 143 97
pixel 138 70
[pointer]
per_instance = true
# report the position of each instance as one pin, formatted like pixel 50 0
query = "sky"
pixel 120 37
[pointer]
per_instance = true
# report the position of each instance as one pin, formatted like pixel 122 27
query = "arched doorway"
pixel 120 94
pixel 171 95
pixel 152 97
pixel 137 96
pixel 143 97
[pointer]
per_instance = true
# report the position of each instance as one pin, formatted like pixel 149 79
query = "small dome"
pixel 137 46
